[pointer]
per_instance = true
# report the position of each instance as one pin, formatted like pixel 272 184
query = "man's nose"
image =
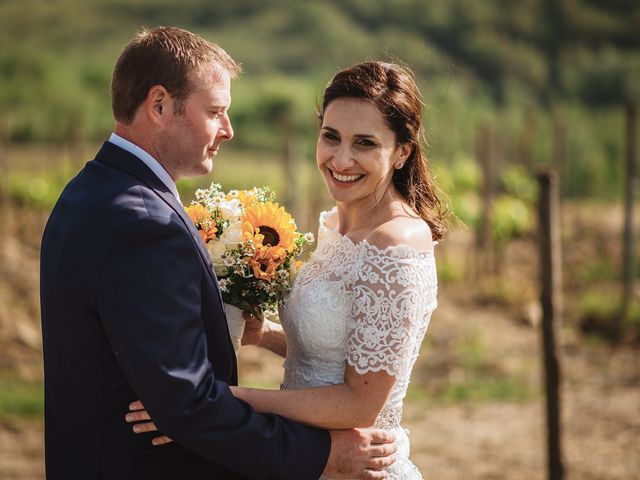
pixel 226 130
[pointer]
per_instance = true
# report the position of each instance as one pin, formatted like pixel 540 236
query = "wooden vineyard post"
pixel 631 173
pixel 485 248
pixel 5 168
pixel 551 302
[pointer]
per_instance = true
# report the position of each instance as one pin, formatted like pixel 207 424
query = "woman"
pixel 359 309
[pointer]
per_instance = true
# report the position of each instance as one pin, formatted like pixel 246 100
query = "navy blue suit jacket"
pixel 131 309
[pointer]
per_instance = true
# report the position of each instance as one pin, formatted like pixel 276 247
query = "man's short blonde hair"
pixel 166 56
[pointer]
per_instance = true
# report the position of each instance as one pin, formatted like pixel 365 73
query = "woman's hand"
pixel 264 333
pixel 137 413
pixel 254 329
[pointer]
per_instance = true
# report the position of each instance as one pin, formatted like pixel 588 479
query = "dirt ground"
pixel 487 439
pixel 506 440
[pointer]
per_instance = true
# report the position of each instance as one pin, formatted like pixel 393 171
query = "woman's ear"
pixel 405 151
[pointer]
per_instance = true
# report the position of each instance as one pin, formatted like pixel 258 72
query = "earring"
pixel 399 166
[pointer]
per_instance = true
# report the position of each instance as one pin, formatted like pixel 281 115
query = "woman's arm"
pixel 355 403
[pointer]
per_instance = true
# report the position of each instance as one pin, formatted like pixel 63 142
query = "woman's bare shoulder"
pixel 406 230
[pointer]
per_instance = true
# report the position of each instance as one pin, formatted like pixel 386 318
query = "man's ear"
pixel 157 104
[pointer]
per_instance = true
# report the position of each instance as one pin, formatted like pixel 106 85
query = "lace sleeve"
pixel 393 293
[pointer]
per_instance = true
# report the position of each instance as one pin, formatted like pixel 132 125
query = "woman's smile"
pixel 345 179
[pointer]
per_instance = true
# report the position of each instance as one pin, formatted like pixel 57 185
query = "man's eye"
pixel 216 114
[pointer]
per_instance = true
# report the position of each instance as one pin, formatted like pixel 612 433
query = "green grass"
pixel 39 186
pixel 482 388
pixel 21 400
pixel 472 373
pixel 595 270
pixel 474 388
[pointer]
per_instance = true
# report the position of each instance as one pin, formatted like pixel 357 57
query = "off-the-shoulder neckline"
pixel 402 251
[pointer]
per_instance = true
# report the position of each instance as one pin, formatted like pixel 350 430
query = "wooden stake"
pixel 551 302
pixel 631 186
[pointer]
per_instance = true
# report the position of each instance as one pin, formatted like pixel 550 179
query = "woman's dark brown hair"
pixel 391 88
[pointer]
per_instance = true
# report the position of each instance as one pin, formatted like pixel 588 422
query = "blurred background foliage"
pixel 523 84
pixel 500 62
pixel 509 88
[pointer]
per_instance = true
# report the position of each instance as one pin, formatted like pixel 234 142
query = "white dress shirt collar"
pixel 148 160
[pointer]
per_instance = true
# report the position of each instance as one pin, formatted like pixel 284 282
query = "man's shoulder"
pixel 107 201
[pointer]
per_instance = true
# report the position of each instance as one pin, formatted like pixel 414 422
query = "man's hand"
pixel 360 453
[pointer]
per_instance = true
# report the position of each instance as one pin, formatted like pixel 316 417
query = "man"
pixel 131 308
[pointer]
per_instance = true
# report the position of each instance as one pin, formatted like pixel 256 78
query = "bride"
pixel 354 320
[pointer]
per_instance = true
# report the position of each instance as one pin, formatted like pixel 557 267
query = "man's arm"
pixel 355 453
pixel 149 300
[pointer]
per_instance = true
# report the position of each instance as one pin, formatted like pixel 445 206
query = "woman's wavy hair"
pixel 392 89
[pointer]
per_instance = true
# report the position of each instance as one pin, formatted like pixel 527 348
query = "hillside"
pixel 492 62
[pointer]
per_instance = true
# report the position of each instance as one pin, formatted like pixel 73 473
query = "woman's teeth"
pixel 345 178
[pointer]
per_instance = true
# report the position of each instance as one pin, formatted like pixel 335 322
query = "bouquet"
pixel 253 244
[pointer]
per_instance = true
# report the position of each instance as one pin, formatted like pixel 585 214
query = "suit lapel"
pixel 119 158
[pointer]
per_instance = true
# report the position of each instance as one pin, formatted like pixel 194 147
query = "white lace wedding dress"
pixel 364 306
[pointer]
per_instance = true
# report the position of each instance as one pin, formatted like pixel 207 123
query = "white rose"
pixel 232 235
pixel 217 249
pixel 230 209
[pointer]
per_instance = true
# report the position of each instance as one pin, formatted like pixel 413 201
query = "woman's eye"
pixel 366 143
pixel 331 137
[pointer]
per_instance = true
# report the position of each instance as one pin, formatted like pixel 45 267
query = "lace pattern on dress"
pixel 389 418
pixel 356 304
pixel 390 309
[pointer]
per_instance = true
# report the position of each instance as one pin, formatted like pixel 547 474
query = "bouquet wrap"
pixel 235 322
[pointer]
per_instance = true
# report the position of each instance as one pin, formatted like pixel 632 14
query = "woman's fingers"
pixel 145 427
pixel 137 405
pixel 137 416
pixel 161 440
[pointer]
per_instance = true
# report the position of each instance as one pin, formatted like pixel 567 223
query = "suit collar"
pixel 121 159
pixel 156 167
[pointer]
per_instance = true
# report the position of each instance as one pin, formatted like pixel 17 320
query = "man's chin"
pixel 204 168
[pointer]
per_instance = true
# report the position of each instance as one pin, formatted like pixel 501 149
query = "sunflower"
pixel 265 261
pixel 202 219
pixel 270 225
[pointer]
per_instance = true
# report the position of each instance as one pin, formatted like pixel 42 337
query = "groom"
pixel 130 303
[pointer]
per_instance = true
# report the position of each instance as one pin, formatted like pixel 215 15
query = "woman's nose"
pixel 343 158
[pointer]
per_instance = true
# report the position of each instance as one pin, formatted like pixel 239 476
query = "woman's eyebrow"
pixel 357 135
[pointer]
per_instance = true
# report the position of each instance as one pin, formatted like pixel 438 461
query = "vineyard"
pixel 475 404
pixel 511 90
